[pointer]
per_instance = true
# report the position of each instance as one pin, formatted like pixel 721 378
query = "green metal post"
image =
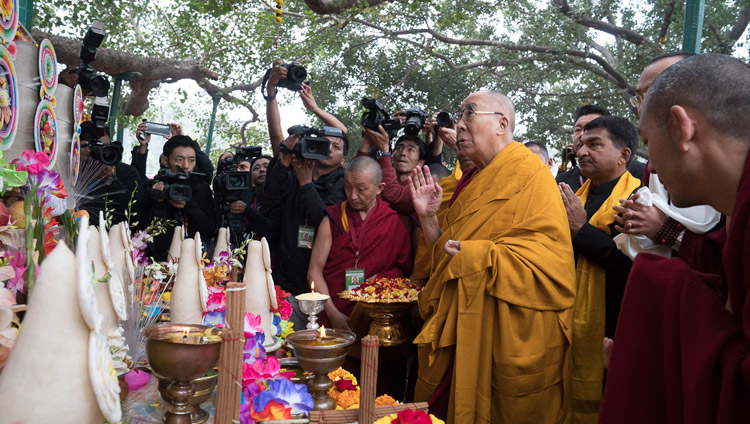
pixel 693 28
pixel 115 103
pixel 26 13
pixel 209 139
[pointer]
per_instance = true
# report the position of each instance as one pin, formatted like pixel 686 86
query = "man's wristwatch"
pixel 381 154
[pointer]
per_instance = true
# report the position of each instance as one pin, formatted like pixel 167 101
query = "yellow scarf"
pixel 589 315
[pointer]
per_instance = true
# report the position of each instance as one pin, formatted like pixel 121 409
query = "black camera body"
pixel 377 115
pixel 88 78
pixel 296 74
pixel 415 119
pixel 176 185
pixel 106 153
pixel 313 144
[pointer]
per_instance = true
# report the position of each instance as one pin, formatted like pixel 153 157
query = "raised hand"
pixel 426 194
pixel 308 100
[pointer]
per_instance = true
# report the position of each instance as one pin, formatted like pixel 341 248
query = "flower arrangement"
pixel 268 393
pixel 383 290
pixel 345 391
pixel 409 416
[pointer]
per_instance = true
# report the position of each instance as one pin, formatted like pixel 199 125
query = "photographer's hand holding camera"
pixel 304 177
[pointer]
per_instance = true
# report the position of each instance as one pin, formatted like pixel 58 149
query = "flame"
pixel 185 332
pixel 322 331
pixel 312 285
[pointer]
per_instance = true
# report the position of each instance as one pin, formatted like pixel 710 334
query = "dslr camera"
pixel 313 144
pixel 377 115
pixel 415 118
pixel 176 185
pixel 228 179
pixel 87 76
pixel 296 74
pixel 106 153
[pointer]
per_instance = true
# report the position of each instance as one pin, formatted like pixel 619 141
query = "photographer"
pixel 179 195
pixel 297 191
pixel 114 183
pixel 140 152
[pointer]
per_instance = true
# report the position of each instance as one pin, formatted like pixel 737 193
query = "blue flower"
pixel 287 393
pixel 214 318
pixel 277 323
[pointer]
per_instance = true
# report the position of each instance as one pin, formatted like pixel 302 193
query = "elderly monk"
pixel 681 354
pixel 495 346
pixel 358 239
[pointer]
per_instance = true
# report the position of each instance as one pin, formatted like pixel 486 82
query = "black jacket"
pixel 198 212
pixel 285 207
pixel 115 193
pixel 202 163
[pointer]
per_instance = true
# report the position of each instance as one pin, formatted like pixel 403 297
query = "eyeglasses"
pixel 468 113
pixel 637 100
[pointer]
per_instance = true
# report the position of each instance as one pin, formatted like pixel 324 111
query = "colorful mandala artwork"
pixel 8 99
pixel 45 131
pixel 47 70
pixel 77 107
pixel 8 19
pixel 75 156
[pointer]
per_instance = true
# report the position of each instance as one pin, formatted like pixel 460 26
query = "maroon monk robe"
pixel 679 356
pixel 384 248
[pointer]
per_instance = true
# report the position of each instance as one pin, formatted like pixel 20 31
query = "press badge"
pixel 354 277
pixel 305 236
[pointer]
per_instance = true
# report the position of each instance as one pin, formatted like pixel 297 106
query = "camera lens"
pixel 413 125
pixel 444 119
pixel 236 181
pixel 298 74
pixel 100 86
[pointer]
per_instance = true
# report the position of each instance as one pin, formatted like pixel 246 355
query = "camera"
pixel 312 144
pixel 444 119
pixel 106 153
pixel 377 115
pixel 176 185
pixel 88 78
pixel 415 118
pixel 158 129
pixel 296 74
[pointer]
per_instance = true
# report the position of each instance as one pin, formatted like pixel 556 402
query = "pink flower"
pixel 17 283
pixel 258 370
pixel 32 162
pixel 252 325
pixel 217 299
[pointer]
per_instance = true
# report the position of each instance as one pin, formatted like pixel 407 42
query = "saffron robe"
pixel 383 242
pixel 422 257
pixel 592 299
pixel 679 355
pixel 499 313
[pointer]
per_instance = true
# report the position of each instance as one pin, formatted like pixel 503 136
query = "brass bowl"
pixel 203 386
pixel 179 361
pixel 387 321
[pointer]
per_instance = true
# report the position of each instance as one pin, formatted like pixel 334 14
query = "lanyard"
pixel 356 238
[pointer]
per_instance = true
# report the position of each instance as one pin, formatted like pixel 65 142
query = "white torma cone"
pixel 175 248
pixel 46 379
pixel 222 242
pixel 103 298
pixel 122 255
pixel 189 293
pixel 262 290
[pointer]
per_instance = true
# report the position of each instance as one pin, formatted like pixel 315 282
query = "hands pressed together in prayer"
pixel 573 207
pixel 635 218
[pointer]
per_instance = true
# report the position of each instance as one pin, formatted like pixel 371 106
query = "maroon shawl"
pixel 384 248
pixel 679 356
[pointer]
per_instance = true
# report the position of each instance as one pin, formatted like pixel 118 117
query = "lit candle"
pixel 312 286
pixel 322 333
pixel 185 335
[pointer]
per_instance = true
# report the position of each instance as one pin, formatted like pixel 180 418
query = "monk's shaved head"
pixel 503 104
pixel 366 165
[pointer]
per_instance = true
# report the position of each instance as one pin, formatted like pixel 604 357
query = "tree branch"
pixel 328 7
pixel 617 31
pixel 667 21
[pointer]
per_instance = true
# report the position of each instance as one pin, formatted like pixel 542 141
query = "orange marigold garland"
pixel 279 3
pixel 383 290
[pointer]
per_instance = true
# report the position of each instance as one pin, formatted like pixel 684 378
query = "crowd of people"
pixel 615 293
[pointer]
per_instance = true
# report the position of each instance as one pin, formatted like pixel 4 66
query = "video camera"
pixel 176 185
pixel 377 115
pixel 312 144
pixel 88 78
pixel 243 154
